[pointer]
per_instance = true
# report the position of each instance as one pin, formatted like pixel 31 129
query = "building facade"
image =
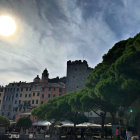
pixel 77 74
pixel 22 97
pixel 1 96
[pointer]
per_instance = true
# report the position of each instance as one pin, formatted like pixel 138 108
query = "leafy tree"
pixel 116 79
pixel 60 108
pixel 24 123
pixel 4 121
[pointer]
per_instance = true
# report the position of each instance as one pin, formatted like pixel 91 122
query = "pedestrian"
pixel 118 133
pixel 128 134
pixel 82 133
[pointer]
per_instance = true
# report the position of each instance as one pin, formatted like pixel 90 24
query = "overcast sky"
pixel 50 32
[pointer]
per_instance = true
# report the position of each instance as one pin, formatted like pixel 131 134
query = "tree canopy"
pixel 24 123
pixel 60 108
pixel 4 121
pixel 117 78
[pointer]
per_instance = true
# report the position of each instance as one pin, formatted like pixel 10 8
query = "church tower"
pixel 45 76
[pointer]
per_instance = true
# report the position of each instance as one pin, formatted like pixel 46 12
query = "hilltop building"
pixel 77 74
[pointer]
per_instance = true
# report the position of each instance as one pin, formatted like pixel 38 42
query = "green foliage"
pixel 24 123
pixel 64 107
pixel 4 121
pixel 117 79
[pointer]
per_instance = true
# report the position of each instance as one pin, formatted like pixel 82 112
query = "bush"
pixel 4 121
pixel 24 123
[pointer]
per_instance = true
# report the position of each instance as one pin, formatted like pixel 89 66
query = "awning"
pixel 67 124
pixel 41 123
pixel 87 124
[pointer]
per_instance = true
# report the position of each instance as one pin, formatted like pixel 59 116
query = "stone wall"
pixel 77 73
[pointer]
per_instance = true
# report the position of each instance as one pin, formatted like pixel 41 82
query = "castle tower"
pixel 45 76
pixel 77 73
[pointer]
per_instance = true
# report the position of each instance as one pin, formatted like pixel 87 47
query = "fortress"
pixel 77 74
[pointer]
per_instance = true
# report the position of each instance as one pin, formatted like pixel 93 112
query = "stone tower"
pixel 45 76
pixel 77 73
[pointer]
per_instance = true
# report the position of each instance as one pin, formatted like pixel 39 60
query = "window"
pixel 20 95
pixel 42 95
pixel 30 89
pixel 17 95
pixel 38 94
pixel 54 95
pixel 0 94
pixel 54 89
pixel 60 89
pixel 49 88
pixel 29 102
pixel 36 101
pixel 49 95
pixel 29 95
pixel 43 89
pixel 17 89
pixel 25 95
pixel 8 114
pixel 0 101
pixel 19 101
pixel 21 89
pixel 32 101
pixel 33 94
pixel 15 101
pixel 41 102
pixel 26 89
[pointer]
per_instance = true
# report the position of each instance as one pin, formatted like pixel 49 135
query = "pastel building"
pixel 21 97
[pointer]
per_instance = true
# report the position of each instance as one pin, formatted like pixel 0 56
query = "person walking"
pixel 128 134
pixel 118 133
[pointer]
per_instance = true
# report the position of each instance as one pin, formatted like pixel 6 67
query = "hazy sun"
pixel 7 26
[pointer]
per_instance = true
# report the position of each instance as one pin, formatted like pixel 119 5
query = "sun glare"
pixel 7 26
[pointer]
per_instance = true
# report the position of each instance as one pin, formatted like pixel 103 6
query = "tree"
pixel 24 123
pixel 4 121
pixel 93 103
pixel 61 108
pixel 117 79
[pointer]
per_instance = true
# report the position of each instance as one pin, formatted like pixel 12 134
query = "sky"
pixel 51 32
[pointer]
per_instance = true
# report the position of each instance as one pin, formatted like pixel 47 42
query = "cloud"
pixel 50 32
